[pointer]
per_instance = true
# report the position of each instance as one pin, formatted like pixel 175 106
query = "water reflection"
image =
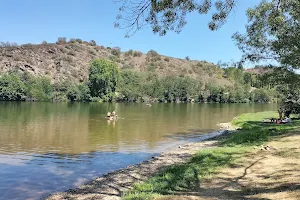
pixel 45 147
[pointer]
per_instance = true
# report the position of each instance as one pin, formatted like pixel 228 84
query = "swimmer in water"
pixel 114 115
pixel 109 116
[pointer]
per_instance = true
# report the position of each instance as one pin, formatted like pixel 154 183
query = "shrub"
pixel 167 59
pixel 187 58
pixel 152 53
pixel 129 53
pixel 137 54
pixel 44 43
pixel 156 58
pixel 8 44
pixel 116 51
pixel 38 88
pixel 28 46
pixel 12 88
pixel 93 43
pixel 96 99
pixel 80 92
pixel 61 40
pixel 72 40
pixel 79 40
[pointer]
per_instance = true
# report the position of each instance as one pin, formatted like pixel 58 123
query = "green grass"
pixel 254 132
pixel 186 177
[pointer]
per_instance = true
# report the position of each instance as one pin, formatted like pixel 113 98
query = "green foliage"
pixel 93 43
pixel 103 79
pixel 116 51
pixel 254 132
pixel 166 15
pixel 80 92
pixel 130 86
pixel 187 176
pixel 61 40
pixel 129 53
pixel 79 40
pixel 38 88
pixel 137 54
pixel 152 53
pixel 231 149
pixel 272 33
pixel 12 88
pixel 260 96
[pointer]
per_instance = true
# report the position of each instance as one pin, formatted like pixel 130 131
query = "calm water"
pixel 50 147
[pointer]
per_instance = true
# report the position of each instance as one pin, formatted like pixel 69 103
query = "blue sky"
pixel 33 21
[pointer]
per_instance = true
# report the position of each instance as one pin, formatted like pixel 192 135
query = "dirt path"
pixel 113 185
pixel 262 175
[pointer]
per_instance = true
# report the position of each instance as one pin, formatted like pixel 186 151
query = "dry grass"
pixel 261 175
pixel 82 53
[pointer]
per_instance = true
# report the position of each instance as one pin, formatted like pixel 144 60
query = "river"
pixel 51 147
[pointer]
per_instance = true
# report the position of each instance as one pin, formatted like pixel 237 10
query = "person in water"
pixel 111 116
pixel 114 115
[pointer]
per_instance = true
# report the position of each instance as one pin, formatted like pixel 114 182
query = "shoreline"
pixel 112 186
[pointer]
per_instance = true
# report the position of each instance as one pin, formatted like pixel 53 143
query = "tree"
pixel 130 86
pixel 273 32
pixel 103 79
pixel 169 15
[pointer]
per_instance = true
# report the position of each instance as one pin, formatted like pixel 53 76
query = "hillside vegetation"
pixel 83 71
pixel 69 61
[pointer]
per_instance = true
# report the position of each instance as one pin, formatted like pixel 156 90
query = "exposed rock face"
pixel 70 62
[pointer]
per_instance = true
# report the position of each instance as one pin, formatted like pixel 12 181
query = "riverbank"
pixel 114 185
pixel 179 172
pixel 260 161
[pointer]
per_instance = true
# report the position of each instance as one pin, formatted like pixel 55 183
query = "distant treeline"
pixel 106 83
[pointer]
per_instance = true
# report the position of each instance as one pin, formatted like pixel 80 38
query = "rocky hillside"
pixel 70 61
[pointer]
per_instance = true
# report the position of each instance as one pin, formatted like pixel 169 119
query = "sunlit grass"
pixel 186 177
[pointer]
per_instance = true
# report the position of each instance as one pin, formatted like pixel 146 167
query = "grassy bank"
pixel 205 164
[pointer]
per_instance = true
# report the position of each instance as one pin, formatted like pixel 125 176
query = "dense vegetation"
pixel 107 83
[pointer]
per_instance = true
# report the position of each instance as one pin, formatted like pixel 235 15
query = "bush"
pixel 12 88
pixel 187 58
pixel 137 54
pixel 152 53
pixel 116 51
pixel 79 40
pixel 93 43
pixel 44 43
pixel 61 40
pixel 80 92
pixel 167 59
pixel 260 96
pixel 38 88
pixel 129 53
pixel 72 40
